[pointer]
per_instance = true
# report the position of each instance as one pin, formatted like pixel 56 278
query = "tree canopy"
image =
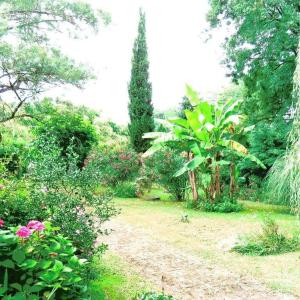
pixel 29 63
pixel 261 50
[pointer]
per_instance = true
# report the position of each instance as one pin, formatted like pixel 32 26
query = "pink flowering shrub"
pixel 37 262
pixel 118 166
pixel 23 232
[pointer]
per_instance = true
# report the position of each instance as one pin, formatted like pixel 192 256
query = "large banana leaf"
pixel 192 95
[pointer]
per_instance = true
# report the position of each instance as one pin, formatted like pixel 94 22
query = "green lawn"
pixel 206 235
pixel 116 281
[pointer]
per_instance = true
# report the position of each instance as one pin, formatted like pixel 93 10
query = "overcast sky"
pixel 177 48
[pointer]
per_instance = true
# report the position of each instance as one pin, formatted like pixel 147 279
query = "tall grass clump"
pixel 269 242
pixel 284 177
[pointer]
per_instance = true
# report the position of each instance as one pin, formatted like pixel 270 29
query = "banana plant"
pixel 208 130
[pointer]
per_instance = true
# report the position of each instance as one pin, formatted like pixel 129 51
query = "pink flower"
pixel 36 225
pixel 23 232
pixel 1 222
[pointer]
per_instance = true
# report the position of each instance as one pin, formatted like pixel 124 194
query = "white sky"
pixel 177 50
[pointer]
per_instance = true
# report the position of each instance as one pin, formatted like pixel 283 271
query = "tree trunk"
pixel 218 181
pixel 232 179
pixel 193 181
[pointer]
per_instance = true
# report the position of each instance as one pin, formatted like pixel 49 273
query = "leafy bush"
pixel 66 192
pixel 154 296
pixel 125 190
pixel 164 164
pixel 16 206
pixel 37 262
pixel 69 129
pixel 269 242
pixel 118 165
pixel 267 141
pixel 227 205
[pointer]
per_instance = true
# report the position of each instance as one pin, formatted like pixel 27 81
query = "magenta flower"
pixel 36 225
pixel 23 232
pixel 1 222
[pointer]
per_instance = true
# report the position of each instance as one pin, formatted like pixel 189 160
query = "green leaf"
pixel 195 162
pixel 205 109
pixel 54 246
pixel 181 171
pixel 45 264
pixel 4 289
pixel 29 264
pixel 192 95
pixel 16 286
pixel 36 288
pixel 49 276
pixel 180 122
pixel 152 150
pixel 18 255
pixel 7 263
pixel 58 266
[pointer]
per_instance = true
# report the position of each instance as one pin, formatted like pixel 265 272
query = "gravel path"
pixel 182 275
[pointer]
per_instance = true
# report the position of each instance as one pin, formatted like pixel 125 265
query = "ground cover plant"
pixel 37 262
pixel 269 242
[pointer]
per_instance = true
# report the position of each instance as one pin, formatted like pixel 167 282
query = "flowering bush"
pixel 117 165
pixel 38 263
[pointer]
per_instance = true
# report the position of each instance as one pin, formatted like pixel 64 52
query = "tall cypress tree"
pixel 140 92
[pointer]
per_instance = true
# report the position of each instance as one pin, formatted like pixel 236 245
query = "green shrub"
pixel 16 206
pixel 36 262
pixel 125 190
pixel 226 205
pixel 164 164
pixel 67 193
pixel 269 242
pixel 154 296
pixel 69 129
pixel 117 166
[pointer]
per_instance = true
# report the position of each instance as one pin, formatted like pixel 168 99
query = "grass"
pixel 212 235
pixel 115 280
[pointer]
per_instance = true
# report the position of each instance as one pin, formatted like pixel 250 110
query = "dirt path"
pixel 182 275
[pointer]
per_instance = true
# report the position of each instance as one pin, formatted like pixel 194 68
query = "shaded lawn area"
pixel 211 236
pixel 116 281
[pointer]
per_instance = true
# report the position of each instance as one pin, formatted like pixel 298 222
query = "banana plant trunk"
pixel 193 180
pixel 232 179
pixel 216 180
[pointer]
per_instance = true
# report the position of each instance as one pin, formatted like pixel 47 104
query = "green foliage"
pixel 69 129
pixel 185 104
pixel 269 242
pixel 140 92
pixel 208 134
pixel 125 190
pixel 42 266
pixel 154 296
pixel 67 194
pixel 267 141
pixel 225 205
pixel 261 51
pixel 16 206
pixel 30 64
pixel 284 177
pixel 144 181
pixel 163 165
pixel 117 165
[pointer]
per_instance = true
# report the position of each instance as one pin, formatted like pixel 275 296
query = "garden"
pixel 199 201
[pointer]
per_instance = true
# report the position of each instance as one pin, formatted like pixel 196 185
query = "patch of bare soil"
pixel 182 275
